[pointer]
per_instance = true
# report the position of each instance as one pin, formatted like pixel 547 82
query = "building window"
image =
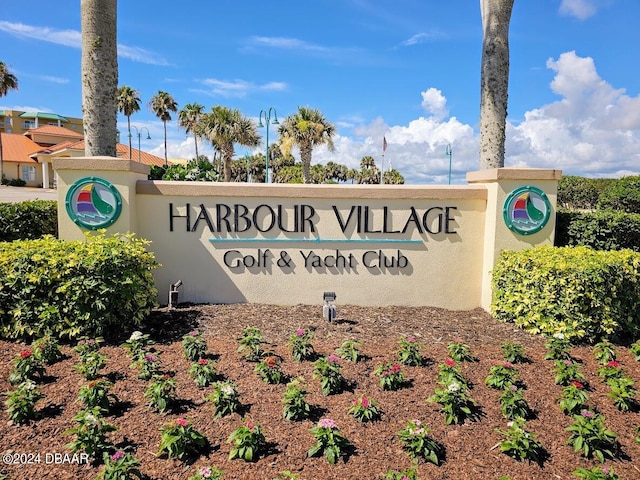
pixel 74 127
pixel 28 174
pixel 7 121
pixel 27 124
pixel 9 130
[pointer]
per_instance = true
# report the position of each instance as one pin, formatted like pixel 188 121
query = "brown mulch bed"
pixel 470 447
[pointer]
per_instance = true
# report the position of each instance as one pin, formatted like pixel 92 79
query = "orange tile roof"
pixel 122 151
pixel 52 130
pixel 18 148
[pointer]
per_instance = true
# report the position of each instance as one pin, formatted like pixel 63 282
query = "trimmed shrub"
pixel 601 230
pixel 623 194
pixel 97 287
pixel 578 192
pixel 582 293
pixel 28 220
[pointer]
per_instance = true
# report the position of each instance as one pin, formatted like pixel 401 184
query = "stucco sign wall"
pixel 287 244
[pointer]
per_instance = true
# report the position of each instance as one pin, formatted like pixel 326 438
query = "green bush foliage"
pixel 582 293
pixel 601 230
pixel 581 193
pixel 96 287
pixel 28 220
pixel 623 194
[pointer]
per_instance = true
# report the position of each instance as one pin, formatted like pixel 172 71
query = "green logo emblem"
pixel 526 210
pixel 93 203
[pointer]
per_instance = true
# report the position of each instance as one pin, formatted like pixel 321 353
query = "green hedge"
pixel 582 293
pixel 624 195
pixel 101 286
pixel 28 220
pixel 580 192
pixel 601 230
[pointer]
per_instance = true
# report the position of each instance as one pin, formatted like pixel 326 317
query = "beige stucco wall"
pixel 443 269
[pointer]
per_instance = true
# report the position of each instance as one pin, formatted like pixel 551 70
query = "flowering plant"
pixel 501 375
pixel 47 350
pixel 567 371
pixel 194 345
pixel 596 473
pixel 269 369
pixel 149 366
pixel 417 443
pixel 120 466
pixel 137 345
pixel 611 370
pixel 574 399
pixel 203 372
pixel 161 392
pixel 590 437
pixel 87 345
pixel 391 377
pixel 327 369
pixel 409 352
pixel 557 348
pixel 455 402
pixel 450 373
pixel 622 393
pixel 251 341
pixel 300 343
pixel 91 364
pixel 225 398
pixel 26 367
pixel 519 443
pixel 329 441
pixel 295 405
pixel 21 402
pixel 96 394
pixel 349 350
pixel 513 404
pixel 460 351
pixel 248 441
pixel 513 352
pixel 90 433
pixel 207 473
pixel 604 352
pixel 180 438
pixel 365 409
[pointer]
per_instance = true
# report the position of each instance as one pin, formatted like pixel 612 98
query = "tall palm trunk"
pixel 494 81
pixel 305 158
pixel 227 156
pixel 129 130
pixel 166 159
pixel 99 76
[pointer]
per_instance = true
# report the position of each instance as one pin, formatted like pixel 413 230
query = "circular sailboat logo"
pixel 526 210
pixel 93 203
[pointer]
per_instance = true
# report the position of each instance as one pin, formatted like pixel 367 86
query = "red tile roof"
pixel 52 130
pixel 18 148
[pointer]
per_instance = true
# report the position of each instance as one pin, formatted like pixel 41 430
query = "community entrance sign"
pixel 287 244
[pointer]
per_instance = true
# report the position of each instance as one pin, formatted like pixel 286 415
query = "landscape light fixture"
pixel 449 152
pixel 329 310
pixel 267 121
pixel 173 293
pixel 139 134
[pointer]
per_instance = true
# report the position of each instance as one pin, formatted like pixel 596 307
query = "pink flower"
pixel 507 364
pixel 449 362
pixel 117 456
pixel 203 361
pixel 150 358
pixel 333 358
pixel 457 340
pixel 606 470
pixel 194 333
pixel 411 339
pixel 327 423
pixel 205 472
pixel 80 342
pixel 90 341
pixel 25 354
pixel 365 402
pixel 300 332
pixel 250 425
pixel 568 362
pixel 181 422
pixel 613 364
pixel 395 368
pixel 587 414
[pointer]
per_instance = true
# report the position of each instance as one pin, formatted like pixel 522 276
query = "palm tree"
pixel 99 76
pixel 162 104
pixel 494 80
pixel 8 81
pixel 392 177
pixel 128 104
pixel 225 127
pixel 306 128
pixel 188 118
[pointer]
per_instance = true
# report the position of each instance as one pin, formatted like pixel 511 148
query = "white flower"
pixel 227 390
pixel 559 336
pixel 510 424
pixel 91 420
pixel 135 336
pixel 453 387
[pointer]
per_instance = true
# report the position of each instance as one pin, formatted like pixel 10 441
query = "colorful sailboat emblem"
pixel 93 203
pixel 526 210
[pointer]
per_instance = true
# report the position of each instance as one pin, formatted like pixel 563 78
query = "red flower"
pixel 271 361
pixel 25 354
pixel 395 368
pixel 365 402
pixel 203 361
pixel 449 363
pixel 613 363
pixel 578 385
pixel 250 425
pixel 181 422
pixel 91 384
pixel 166 377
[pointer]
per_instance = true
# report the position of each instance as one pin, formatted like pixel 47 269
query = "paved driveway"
pixel 20 194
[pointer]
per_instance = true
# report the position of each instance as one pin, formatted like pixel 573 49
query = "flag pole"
pixel 384 148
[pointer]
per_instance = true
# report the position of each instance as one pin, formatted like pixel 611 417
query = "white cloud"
pixel 434 103
pixel 581 9
pixel 419 38
pixel 238 88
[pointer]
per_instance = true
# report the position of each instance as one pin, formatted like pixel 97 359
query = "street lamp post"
pixel 449 152
pixel 139 134
pixel 267 120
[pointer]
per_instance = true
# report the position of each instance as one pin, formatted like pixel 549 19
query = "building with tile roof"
pixel 28 156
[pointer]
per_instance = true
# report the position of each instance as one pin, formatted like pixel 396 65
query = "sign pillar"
pixel 520 214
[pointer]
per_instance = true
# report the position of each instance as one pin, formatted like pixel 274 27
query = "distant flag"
pixel 384 144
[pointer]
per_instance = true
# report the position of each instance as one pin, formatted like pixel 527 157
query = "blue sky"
pixel 407 70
